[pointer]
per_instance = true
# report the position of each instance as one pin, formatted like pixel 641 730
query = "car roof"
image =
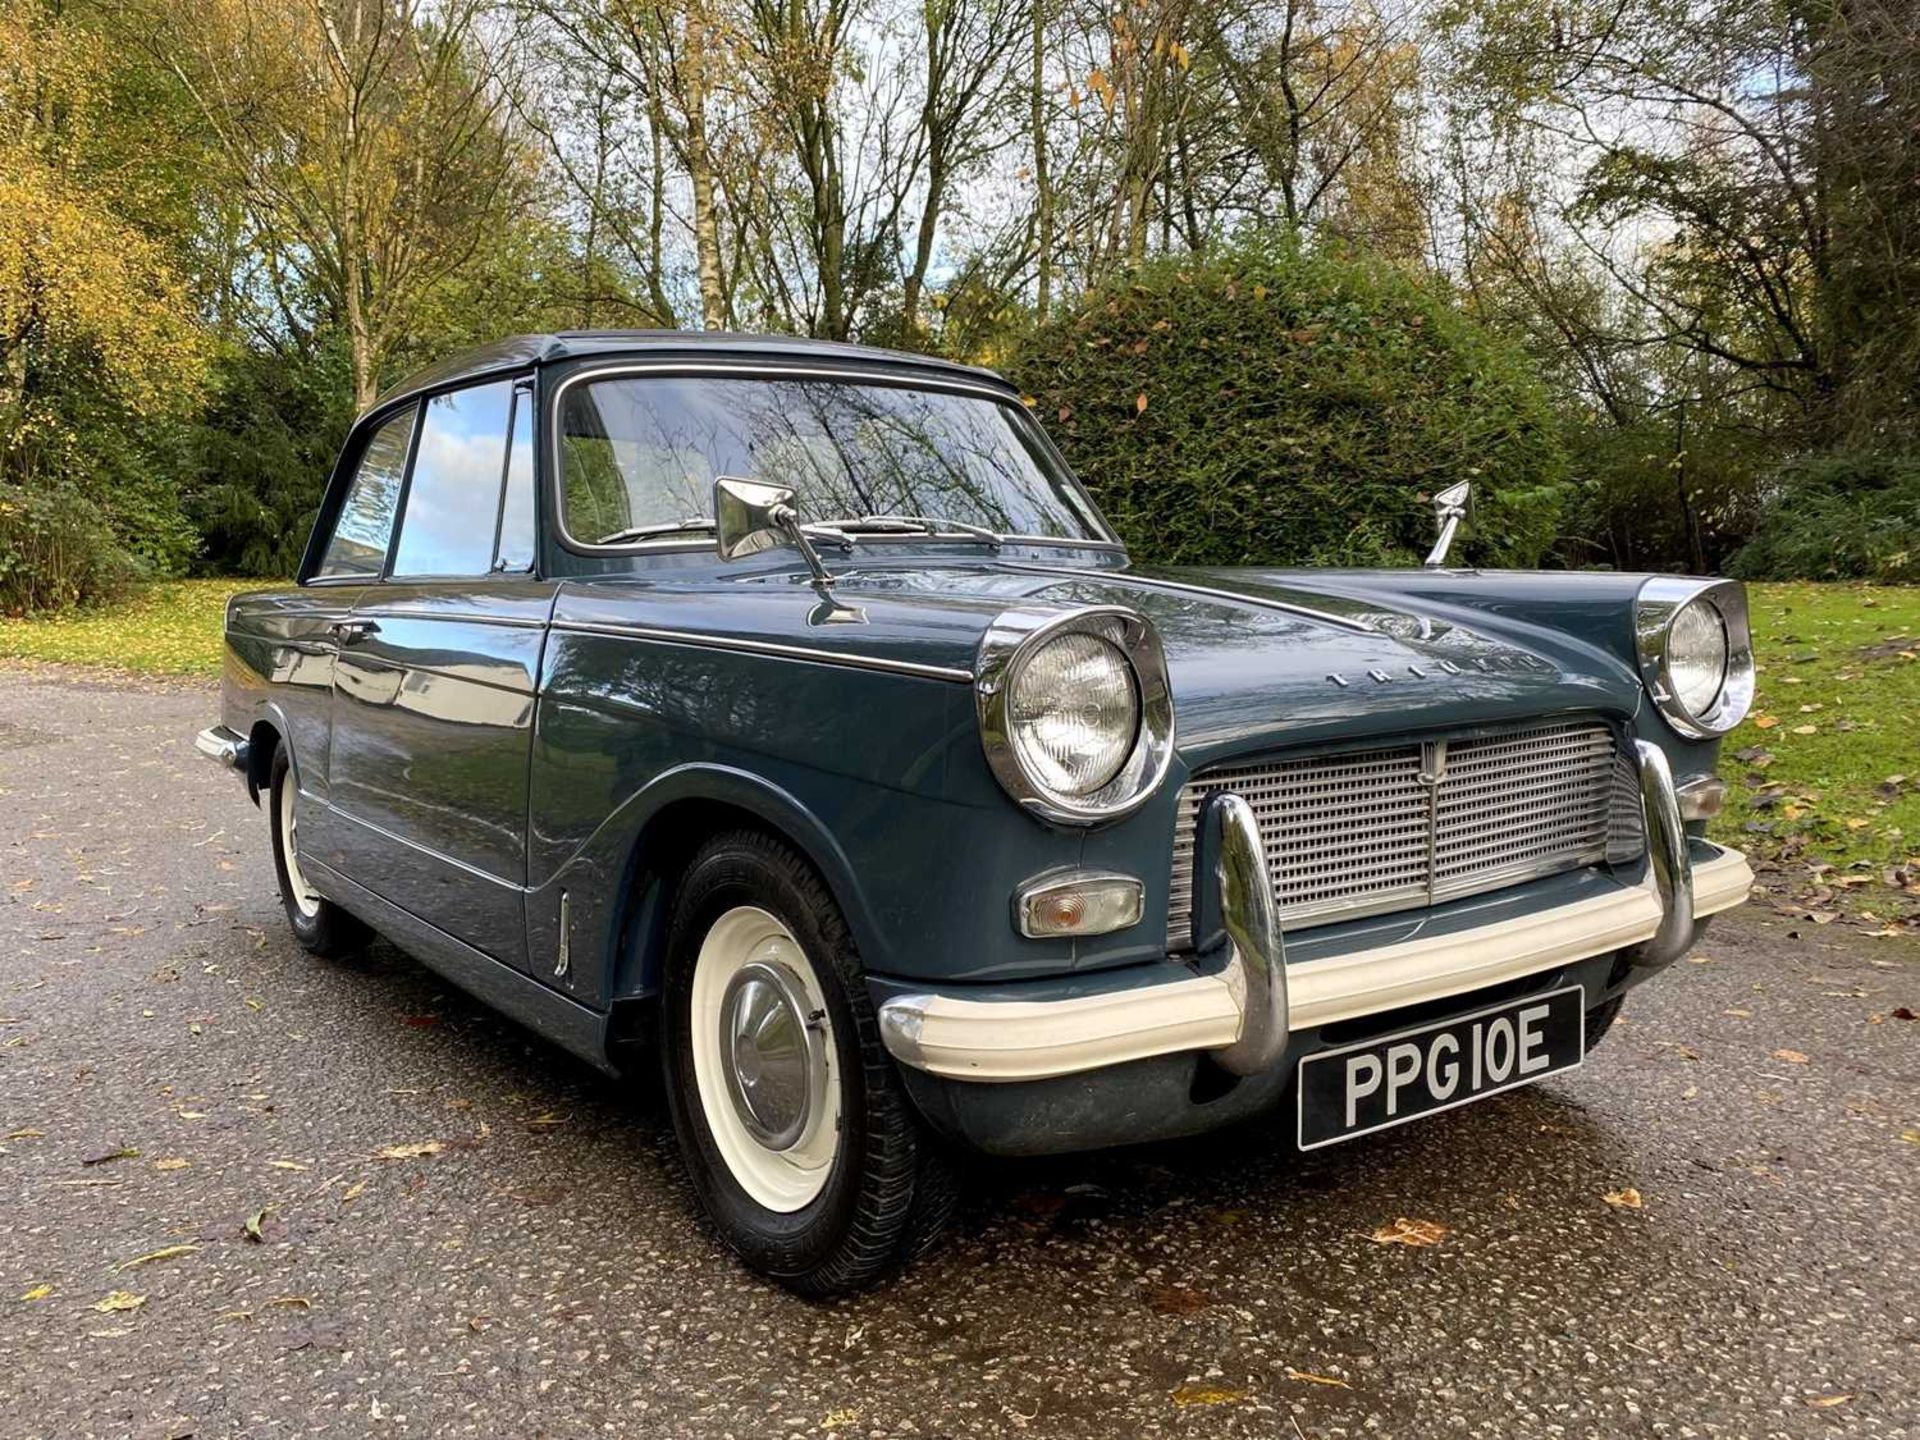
pixel 518 352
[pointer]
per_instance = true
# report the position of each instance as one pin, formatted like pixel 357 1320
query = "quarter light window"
pixel 454 499
pixel 360 536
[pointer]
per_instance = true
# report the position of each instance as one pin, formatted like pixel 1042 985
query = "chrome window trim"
pixel 697 640
pixel 1013 638
pixel 763 369
pixel 1660 601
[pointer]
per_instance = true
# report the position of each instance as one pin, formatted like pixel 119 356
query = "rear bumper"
pixel 220 744
pixel 1243 1002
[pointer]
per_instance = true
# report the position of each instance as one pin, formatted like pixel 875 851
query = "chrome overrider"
pixel 1237 1000
pixel 1669 864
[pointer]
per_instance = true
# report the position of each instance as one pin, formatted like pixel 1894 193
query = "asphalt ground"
pixel 245 1192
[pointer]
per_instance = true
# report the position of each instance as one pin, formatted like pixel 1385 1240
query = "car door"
pixel 306 625
pixel 434 685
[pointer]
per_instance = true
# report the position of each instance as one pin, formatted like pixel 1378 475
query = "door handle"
pixel 348 631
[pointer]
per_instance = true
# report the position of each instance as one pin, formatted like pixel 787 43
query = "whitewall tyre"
pixel 799 1141
pixel 317 923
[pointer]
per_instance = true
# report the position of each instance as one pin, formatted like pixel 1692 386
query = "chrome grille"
pixel 1369 831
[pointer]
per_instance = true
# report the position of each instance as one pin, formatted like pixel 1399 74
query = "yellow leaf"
pixel 38 1292
pixel 166 1252
pixel 1308 1377
pixel 171 1162
pixel 1806 729
pixel 1207 1395
pixel 1764 722
pixel 1627 1199
pixel 1140 404
pixel 414 1151
pixel 1856 823
pixel 119 1300
pixel 288 1165
pixel 1792 1057
pixel 353 1191
pixel 1410 1232
pixel 1826 1402
pixel 28 1134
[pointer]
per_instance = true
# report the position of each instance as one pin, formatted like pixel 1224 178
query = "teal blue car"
pixel 786 716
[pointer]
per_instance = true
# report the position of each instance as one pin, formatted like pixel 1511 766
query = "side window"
pixel 515 550
pixel 455 491
pixel 360 535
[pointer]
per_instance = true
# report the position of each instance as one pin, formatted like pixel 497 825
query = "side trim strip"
pixel 695 640
pixel 1260 602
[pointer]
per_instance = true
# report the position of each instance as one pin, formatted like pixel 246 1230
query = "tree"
pixel 365 143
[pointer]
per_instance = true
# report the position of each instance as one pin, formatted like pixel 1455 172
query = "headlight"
pixel 1696 652
pixel 1075 714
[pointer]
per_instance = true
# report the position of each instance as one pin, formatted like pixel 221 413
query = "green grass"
pixel 1825 773
pixel 169 628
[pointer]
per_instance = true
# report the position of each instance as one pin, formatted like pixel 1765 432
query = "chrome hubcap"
pixel 777 1074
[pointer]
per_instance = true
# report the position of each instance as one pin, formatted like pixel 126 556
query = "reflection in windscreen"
pixel 646 451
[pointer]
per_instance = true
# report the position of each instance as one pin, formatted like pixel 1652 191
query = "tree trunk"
pixel 1042 184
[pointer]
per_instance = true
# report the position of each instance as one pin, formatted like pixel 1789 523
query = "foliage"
pixel 1841 516
pixel 1280 406
pixel 99 352
pixel 254 464
pixel 1651 496
pixel 56 550
pixel 1816 782
pixel 170 627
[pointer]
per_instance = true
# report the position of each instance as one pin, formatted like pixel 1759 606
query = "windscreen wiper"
pixel 932 525
pixel 691 525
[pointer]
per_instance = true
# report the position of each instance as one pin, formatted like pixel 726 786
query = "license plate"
pixel 1378 1084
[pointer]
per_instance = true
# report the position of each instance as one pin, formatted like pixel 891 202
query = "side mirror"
pixel 749 517
pixel 1449 509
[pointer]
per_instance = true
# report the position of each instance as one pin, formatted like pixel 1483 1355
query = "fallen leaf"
pixel 546 1121
pixel 1792 1057
pixel 288 1165
pixel 1410 1232
pixel 119 1300
pixel 1140 404
pixel 1627 1199
pixel 1207 1395
pixel 1901 1012
pixel 415 1151
pixel 296 1302
pixel 171 1162
pixel 1806 729
pixel 28 1134
pixel 1764 722
pixel 119 1152
pixel 1308 1377
pixel 840 1419
pixel 420 1022
pixel 38 1292
pixel 1826 1402
pixel 1175 1300
pixel 253 1223
pixel 353 1191
pixel 166 1252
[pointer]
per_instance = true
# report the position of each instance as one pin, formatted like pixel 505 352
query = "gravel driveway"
pixel 250 1193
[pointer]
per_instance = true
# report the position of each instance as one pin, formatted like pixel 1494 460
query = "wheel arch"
pixel 677 813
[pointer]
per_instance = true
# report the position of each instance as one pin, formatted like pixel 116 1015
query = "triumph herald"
pixel 786 715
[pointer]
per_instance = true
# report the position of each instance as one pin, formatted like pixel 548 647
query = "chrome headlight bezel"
pixel 1010 643
pixel 1658 605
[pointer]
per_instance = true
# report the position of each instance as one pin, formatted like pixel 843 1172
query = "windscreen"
pixel 641 451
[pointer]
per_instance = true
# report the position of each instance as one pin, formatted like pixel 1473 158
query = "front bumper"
pixel 1242 1002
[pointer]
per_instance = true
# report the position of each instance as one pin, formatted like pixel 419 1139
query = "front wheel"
pixel 799 1142
pixel 318 924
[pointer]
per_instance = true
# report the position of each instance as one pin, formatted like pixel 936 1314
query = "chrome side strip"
pixel 695 640
pixel 1261 602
